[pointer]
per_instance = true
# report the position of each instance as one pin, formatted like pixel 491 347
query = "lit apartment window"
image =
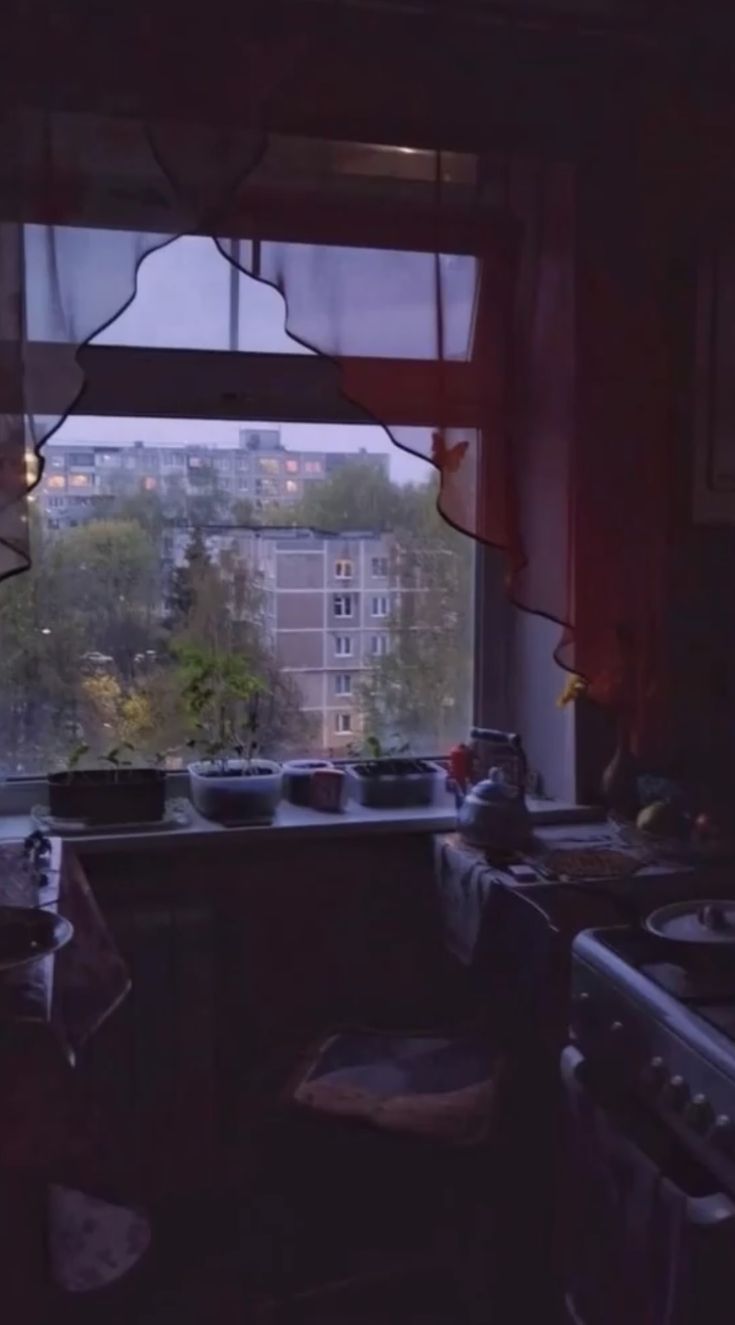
pixel 343 570
pixel 343 683
pixel 292 487
pixel 312 466
pixel 343 604
pixel 379 567
pixel 379 645
pixel 379 605
pixel 292 466
pixel 150 483
pixel 56 481
pixel 343 646
pixel 80 481
pixel 266 465
pixel 343 724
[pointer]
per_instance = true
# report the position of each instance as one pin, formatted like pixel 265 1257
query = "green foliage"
pixel 357 496
pixel 421 687
pixel 220 695
pixel 76 756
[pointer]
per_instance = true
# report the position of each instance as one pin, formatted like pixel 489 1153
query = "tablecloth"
pixel 465 879
pixel 50 1131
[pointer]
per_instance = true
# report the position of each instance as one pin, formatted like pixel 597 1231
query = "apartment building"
pixel 83 480
pixel 327 603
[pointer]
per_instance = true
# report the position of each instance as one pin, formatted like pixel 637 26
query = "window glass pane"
pixel 135 556
pixel 188 296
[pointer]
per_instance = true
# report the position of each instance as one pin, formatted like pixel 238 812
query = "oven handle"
pixel 706 1212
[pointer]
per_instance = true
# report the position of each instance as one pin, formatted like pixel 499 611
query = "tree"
pixel 357 496
pixel 420 689
pixel 39 652
pixel 108 585
pixel 224 621
pixel 182 584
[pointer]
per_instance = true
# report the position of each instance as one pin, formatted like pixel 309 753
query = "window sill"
pixel 293 823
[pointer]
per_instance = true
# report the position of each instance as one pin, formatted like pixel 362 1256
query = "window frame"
pixel 382 600
pixel 347 600
pixel 147 381
pixel 340 573
pixel 349 652
pixel 343 724
pixel 340 691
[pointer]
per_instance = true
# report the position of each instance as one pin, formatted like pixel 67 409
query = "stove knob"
pixel 653 1075
pixel 676 1092
pixel 722 1134
pixel 698 1113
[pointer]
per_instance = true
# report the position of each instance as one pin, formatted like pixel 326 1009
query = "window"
pixel 150 483
pixel 343 570
pixel 81 459
pixel 379 605
pixel 343 724
pixel 379 645
pixel 127 594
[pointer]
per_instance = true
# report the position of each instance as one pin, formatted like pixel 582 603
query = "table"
pixel 51 1141
pixel 465 881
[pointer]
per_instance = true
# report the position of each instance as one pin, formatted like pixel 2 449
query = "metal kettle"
pixel 494 815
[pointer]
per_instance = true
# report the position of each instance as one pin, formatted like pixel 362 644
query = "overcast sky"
pixel 183 302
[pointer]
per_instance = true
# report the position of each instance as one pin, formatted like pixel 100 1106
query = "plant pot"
pixel 232 796
pixel 108 795
pixel 393 784
pixel 297 779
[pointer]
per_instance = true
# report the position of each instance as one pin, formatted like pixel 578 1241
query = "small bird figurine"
pixel 447 458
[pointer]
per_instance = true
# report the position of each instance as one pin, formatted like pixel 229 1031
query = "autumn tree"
pixel 420 689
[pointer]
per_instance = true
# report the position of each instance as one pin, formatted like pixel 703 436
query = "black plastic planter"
pixel 108 795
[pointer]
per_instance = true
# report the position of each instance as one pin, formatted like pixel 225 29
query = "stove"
pixel 658 1023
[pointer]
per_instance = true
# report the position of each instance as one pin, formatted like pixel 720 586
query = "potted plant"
pixel 232 783
pixel 121 793
pixel 391 778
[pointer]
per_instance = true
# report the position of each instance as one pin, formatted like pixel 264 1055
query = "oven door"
pixel 647 1238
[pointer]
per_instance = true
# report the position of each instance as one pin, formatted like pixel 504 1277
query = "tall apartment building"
pixel 327 601
pixel 82 480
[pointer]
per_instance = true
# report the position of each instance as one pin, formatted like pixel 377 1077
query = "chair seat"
pixel 439 1087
